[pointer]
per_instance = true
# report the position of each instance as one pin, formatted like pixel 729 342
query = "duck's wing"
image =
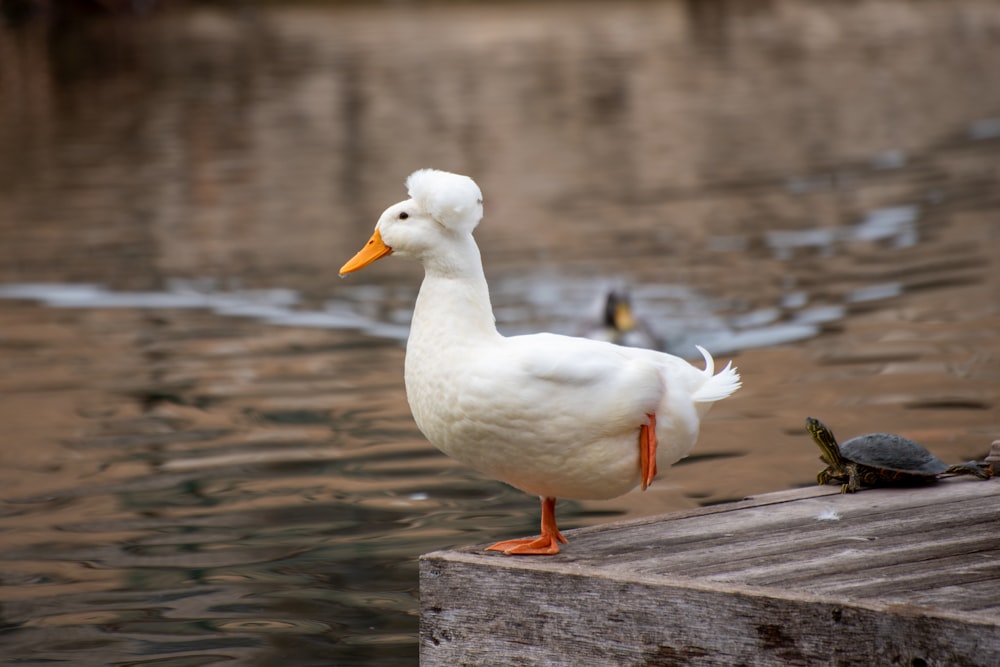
pixel 592 379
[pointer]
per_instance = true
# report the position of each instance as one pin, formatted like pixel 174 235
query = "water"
pixel 207 453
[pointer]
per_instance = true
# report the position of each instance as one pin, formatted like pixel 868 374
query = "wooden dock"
pixel 807 577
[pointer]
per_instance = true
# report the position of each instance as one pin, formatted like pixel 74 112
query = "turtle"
pixel 881 459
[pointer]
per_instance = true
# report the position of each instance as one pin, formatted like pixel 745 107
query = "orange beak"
pixel 374 249
pixel 623 318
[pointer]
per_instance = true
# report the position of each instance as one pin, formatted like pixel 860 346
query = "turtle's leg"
pixel 853 479
pixel 831 475
pixel 980 470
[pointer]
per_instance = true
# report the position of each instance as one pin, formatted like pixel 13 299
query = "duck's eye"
pixel 404 215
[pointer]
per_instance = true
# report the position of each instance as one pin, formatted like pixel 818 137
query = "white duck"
pixel 555 416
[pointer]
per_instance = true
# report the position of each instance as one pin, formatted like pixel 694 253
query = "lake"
pixel 208 457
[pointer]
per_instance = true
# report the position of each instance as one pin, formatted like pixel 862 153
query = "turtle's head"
pixel 817 428
pixel 823 437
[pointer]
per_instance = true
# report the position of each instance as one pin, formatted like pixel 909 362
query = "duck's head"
pixel 442 205
pixel 618 313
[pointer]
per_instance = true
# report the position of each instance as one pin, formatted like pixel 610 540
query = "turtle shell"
pixel 892 452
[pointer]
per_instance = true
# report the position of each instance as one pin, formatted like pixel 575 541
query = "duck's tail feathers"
pixel 718 385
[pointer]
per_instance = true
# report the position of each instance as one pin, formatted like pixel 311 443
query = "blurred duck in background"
pixel 615 321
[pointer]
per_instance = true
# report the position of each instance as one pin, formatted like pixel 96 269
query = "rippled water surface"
pixel 207 456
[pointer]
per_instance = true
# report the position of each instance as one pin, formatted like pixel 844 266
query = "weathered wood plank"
pixel 513 616
pixel 902 576
pixel 824 544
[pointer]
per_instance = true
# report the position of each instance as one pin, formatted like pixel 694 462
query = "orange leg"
pixel 546 544
pixel 647 451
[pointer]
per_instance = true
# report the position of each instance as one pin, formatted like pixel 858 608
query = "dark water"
pixel 207 456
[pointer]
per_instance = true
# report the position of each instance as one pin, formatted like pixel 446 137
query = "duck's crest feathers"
pixel 452 199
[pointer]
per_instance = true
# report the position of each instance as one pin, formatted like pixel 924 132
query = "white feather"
pixel 555 416
pixel 453 200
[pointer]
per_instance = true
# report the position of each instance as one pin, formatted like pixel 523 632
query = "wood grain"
pixel 899 577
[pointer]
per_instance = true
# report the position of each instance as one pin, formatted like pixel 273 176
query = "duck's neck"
pixel 453 305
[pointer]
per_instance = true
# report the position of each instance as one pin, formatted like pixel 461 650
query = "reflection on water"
pixel 527 301
pixel 208 457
